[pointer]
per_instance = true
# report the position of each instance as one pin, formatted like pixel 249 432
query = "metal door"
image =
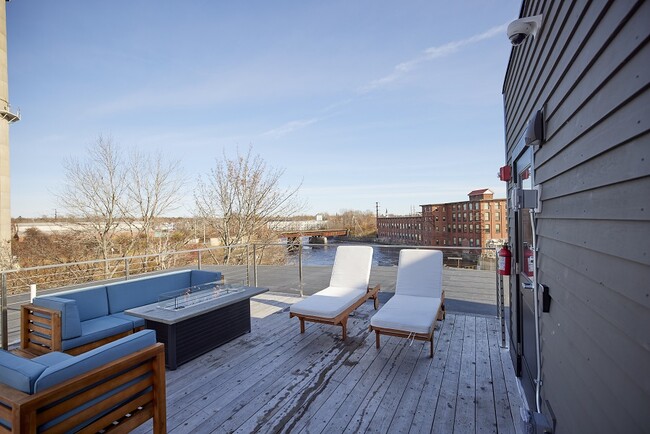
pixel 523 318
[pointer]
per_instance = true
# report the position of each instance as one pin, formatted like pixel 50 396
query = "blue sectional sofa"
pixel 91 391
pixel 82 319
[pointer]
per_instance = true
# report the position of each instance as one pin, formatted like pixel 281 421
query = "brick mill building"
pixel 477 222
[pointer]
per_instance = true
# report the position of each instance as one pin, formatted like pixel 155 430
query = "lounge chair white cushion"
pixel 329 302
pixel 352 267
pixel 408 313
pixel 419 273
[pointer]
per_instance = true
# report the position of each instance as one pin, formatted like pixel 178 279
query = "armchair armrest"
pixel 40 329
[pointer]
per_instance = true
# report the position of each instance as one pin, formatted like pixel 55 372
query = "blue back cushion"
pixel 198 277
pixel 70 319
pixel 90 360
pixel 145 290
pixel 19 373
pixel 91 302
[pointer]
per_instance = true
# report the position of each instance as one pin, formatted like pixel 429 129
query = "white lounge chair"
pixel 418 301
pixel 348 290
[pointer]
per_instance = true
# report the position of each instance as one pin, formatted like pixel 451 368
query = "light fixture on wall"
pixel 534 134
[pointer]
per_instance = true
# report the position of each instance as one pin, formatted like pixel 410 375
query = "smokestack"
pixel 6 117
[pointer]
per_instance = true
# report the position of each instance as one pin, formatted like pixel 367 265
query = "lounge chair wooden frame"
pixel 440 315
pixel 26 412
pixel 342 318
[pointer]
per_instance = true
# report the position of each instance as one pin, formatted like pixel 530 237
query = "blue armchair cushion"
pixel 97 328
pixel 91 302
pixel 198 277
pixel 139 292
pixel 19 373
pixel 75 366
pixel 53 358
pixel 70 320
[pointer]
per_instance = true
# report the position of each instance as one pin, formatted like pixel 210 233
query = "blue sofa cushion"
pixel 96 329
pixel 91 302
pixel 19 373
pixel 197 277
pixel 70 319
pixel 92 359
pixel 137 322
pixel 53 358
pixel 138 292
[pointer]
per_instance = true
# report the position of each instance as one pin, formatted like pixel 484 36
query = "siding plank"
pixel 626 239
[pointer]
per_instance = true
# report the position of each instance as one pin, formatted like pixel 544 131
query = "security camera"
pixel 520 29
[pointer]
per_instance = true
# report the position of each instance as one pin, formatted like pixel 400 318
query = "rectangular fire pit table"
pixel 195 320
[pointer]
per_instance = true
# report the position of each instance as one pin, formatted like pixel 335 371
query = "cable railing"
pixel 297 268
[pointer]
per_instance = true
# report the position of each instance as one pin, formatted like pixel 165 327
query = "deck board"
pixel 276 379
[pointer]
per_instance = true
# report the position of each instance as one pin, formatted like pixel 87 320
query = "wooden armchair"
pixel 117 397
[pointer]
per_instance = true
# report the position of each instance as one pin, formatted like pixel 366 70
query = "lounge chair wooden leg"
pixel 377 339
pixel 302 325
pixel 344 324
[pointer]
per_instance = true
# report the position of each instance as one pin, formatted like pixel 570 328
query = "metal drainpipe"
pixel 538 349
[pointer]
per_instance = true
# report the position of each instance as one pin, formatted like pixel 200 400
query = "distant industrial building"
pixel 478 222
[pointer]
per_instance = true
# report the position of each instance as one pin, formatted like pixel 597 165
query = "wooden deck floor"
pixel 278 380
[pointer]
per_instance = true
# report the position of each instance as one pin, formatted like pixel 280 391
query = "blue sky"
pixel 361 101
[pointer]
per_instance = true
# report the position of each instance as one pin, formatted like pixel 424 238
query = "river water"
pixel 324 254
pixel 385 256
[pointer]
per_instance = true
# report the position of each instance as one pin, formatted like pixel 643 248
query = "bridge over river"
pixel 316 236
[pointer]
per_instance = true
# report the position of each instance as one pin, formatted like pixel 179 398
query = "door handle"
pixel 527 285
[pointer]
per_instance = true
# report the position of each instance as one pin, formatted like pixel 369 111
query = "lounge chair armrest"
pixel 373 288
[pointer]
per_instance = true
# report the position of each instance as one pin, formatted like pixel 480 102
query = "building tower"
pixel 7 116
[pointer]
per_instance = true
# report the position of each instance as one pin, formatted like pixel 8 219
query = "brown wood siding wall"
pixel 589 69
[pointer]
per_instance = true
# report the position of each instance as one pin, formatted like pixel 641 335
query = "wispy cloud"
pixel 430 54
pixel 289 127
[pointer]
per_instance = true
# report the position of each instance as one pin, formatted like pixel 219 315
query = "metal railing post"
pixel 248 277
pixel 300 266
pixel 3 312
pixel 501 302
pixel 255 264
pixel 200 258
pixel 498 287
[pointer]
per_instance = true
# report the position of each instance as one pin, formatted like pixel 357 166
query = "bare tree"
pixel 94 192
pixel 240 196
pixel 153 190
pixel 108 194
